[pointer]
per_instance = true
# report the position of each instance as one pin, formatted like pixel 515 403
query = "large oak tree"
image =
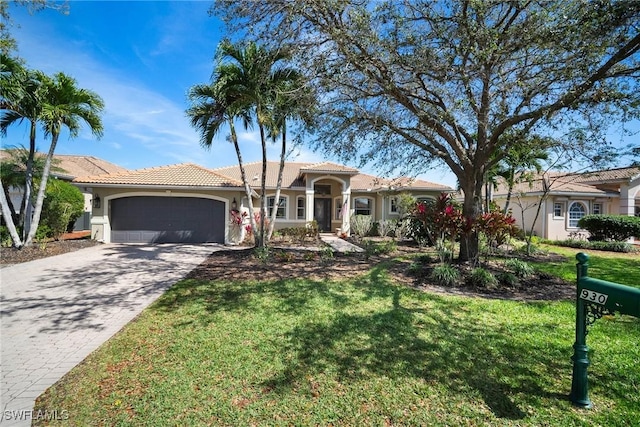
pixel 415 83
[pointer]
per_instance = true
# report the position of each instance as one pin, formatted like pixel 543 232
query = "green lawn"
pixel 353 352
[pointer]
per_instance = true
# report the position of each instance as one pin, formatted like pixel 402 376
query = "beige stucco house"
pixel 67 168
pixel 569 197
pixel 189 203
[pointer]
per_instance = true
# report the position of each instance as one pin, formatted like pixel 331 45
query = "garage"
pixel 152 219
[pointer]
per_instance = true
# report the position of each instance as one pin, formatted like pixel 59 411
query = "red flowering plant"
pixel 497 227
pixel 256 216
pixel 442 222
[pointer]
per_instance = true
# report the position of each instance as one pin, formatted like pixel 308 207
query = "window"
pixel 393 205
pixel 282 206
pixel 300 208
pixel 576 211
pixel 597 209
pixel 557 210
pixel 363 206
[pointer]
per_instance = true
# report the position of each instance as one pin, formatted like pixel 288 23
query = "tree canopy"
pixel 413 84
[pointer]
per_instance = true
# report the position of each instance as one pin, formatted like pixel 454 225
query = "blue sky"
pixel 141 57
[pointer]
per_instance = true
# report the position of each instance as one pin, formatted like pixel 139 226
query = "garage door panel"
pixel 148 219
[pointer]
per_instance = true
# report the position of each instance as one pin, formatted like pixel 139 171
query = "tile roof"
pixel 181 175
pixel 73 166
pixel 620 174
pixel 363 182
pixel 328 167
pixel 290 176
pixel 559 183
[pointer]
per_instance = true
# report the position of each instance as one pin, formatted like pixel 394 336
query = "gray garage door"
pixel 148 219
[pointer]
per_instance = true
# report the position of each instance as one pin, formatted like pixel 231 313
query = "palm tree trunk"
pixel 28 185
pixel 263 187
pixel 35 221
pixel 243 175
pixel 283 153
pixel 8 219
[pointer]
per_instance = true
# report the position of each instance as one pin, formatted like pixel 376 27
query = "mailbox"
pixel 594 298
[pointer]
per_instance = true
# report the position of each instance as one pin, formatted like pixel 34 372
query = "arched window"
pixel 576 211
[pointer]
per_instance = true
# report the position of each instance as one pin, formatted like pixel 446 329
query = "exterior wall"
pixel 100 221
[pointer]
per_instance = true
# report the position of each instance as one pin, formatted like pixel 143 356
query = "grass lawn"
pixel 355 352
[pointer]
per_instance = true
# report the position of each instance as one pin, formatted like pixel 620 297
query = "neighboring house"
pixel 570 196
pixel 189 203
pixel 70 167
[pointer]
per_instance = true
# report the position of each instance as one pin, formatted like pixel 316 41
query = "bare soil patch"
pixel 9 256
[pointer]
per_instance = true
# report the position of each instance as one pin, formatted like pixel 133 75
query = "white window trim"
pixel 337 207
pixel 304 207
pixel 372 206
pixel 391 199
pixel 569 219
pixel 286 206
pixel 562 210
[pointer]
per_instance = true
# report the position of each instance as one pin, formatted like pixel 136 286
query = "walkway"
pixel 338 244
pixel 55 311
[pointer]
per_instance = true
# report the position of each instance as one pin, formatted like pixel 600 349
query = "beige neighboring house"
pixel 71 166
pixel 189 203
pixel 570 197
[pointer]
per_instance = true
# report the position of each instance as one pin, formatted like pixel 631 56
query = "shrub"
pixel 520 268
pixel 482 278
pixel 506 278
pixel 610 227
pixel 385 226
pixel 599 246
pixel 5 237
pixel 379 248
pixel 445 275
pixel 63 204
pixel 361 225
pixel 326 255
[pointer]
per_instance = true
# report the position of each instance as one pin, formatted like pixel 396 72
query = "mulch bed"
pixel 12 255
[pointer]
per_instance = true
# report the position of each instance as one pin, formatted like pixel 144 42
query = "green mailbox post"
pixel 594 299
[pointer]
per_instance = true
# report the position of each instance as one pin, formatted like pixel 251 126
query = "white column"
pixel 627 201
pixel 346 211
pixel 309 205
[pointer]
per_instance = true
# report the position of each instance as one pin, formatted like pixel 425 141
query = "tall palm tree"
pixel 22 92
pixel 293 101
pixel 64 105
pixel 253 74
pixel 213 105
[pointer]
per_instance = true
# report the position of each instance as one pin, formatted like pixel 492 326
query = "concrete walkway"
pixel 338 244
pixel 55 311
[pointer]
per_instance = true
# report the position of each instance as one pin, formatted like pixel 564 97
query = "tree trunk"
pixel 28 184
pixel 41 191
pixel 243 175
pixel 283 153
pixel 263 188
pixel 8 219
pixel 471 208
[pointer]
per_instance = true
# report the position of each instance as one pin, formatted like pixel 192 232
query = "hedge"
pixel 616 228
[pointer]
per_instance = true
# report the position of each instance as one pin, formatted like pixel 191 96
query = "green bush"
pixel 617 228
pixel 598 246
pixel 63 204
pixel 361 225
pixel 518 267
pixel 445 275
pixel 506 278
pixel 482 278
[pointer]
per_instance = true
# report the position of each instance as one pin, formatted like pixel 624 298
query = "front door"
pixel 322 214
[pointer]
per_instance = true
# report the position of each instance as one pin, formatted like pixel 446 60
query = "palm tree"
pixel 212 106
pixel 293 100
pixel 254 74
pixel 22 92
pixel 64 104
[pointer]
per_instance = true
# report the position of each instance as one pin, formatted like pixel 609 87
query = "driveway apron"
pixel 55 311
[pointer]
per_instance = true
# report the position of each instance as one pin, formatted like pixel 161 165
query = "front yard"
pixel 239 344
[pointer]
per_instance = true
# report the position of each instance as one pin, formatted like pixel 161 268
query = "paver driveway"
pixel 57 310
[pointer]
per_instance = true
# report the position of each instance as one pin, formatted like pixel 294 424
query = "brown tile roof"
pixel 73 166
pixel 363 182
pixel 181 175
pixel 290 176
pixel 328 167
pixel 559 184
pixel 606 176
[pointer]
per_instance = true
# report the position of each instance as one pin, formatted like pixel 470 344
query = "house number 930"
pixel 593 296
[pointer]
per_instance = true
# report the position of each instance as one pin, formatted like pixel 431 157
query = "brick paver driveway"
pixel 57 310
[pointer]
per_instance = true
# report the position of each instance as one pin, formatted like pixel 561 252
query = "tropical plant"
pixel 445 275
pixel 64 105
pixel 361 225
pixel 62 206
